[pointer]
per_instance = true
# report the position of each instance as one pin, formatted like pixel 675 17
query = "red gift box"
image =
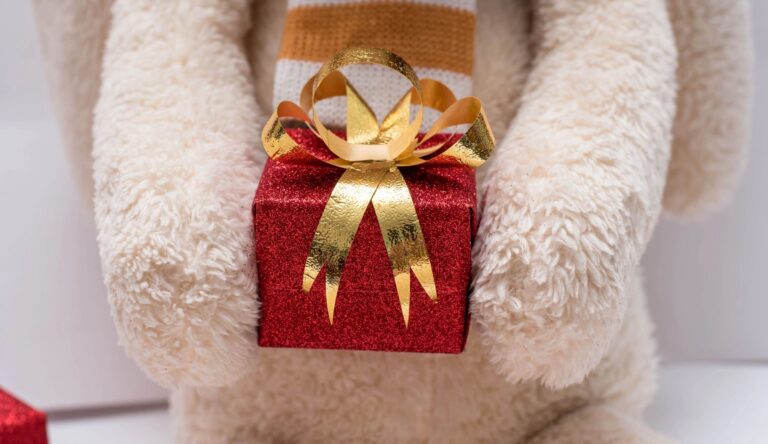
pixel 288 205
pixel 19 423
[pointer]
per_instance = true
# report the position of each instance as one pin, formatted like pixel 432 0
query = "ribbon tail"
pixel 336 230
pixel 403 238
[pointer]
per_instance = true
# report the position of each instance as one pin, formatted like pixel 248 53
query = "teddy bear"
pixel 606 112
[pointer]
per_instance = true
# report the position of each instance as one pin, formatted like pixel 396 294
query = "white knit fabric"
pixel 467 5
pixel 379 86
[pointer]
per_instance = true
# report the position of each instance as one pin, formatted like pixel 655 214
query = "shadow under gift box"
pixel 289 201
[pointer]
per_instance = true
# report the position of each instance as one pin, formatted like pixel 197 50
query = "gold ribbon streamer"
pixel 372 156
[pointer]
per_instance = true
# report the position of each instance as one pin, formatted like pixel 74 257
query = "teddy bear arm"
pixel 175 168
pixel 713 101
pixel 575 188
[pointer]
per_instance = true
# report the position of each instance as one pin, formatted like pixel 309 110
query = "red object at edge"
pixel 20 423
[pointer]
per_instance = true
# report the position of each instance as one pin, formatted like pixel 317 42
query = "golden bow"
pixel 371 155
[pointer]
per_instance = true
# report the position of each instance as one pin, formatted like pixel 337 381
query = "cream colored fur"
pixel 582 96
pixel 713 104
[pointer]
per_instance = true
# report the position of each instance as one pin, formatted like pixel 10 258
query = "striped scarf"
pixel 435 36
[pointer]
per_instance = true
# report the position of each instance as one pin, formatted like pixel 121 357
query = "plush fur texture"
pixel 574 189
pixel 72 38
pixel 582 96
pixel 713 104
pixel 179 97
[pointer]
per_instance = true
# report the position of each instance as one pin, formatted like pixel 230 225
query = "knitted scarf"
pixel 436 37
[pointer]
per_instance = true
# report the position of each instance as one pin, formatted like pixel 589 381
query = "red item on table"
pixel 19 423
pixel 287 207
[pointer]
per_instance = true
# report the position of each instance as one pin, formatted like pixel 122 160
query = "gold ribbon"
pixel 372 155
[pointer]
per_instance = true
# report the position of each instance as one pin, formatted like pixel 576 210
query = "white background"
pixel 58 347
pixel 706 281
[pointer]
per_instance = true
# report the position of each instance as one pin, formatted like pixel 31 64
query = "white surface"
pixel 707 281
pixel 58 347
pixel 712 404
pixel 152 426
pixel 697 404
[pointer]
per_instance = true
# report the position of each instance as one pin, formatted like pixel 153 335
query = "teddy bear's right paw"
pixel 182 297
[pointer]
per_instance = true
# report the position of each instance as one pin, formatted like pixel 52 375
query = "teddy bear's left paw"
pixel 548 292
pixel 574 189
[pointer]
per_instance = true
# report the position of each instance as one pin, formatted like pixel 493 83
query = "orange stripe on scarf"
pixel 426 35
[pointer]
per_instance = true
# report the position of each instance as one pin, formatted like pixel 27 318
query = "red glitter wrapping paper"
pixel 19 423
pixel 288 205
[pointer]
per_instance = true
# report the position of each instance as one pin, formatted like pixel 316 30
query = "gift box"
pixel 367 315
pixel 19 423
pixel 363 237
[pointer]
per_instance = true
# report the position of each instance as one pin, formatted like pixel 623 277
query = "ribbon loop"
pixel 372 156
